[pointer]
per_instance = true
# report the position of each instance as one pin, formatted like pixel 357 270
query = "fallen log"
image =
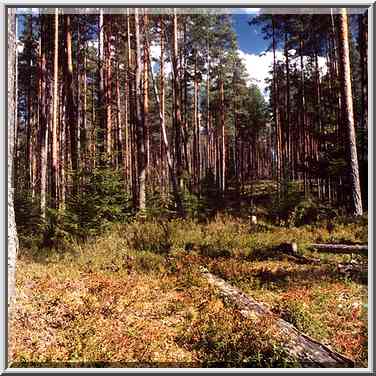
pixel 340 248
pixel 305 350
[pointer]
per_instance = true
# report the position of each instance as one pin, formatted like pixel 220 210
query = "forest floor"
pixel 136 296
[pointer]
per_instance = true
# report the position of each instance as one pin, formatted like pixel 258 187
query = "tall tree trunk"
pixel 12 229
pixel 131 102
pixel 84 128
pixel 287 125
pixel 139 121
pixel 43 136
pixel 347 102
pixel 120 143
pixel 101 94
pixel 276 109
pixel 71 108
pixel 177 98
pixel 196 146
pixel 55 152
pixel 29 131
pixel 108 89
pixel 222 95
pixel 146 97
pixel 363 46
pixel 302 115
pixel 161 107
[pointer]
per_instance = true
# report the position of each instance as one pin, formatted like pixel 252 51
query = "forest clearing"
pixel 171 204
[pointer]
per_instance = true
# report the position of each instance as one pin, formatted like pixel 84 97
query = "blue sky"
pixel 250 39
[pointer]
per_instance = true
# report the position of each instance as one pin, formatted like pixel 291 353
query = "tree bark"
pixel 347 103
pixel 71 108
pixel 140 121
pixel 12 229
pixel 108 89
pixel 43 128
pixel 101 94
pixel 177 99
pixel 223 146
pixel 146 98
pixel 55 152
pixel 161 108
pixel 340 248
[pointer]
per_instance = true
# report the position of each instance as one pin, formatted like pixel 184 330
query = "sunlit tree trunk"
pixel 139 121
pixel 161 107
pixel 43 128
pixel 146 98
pixel 347 102
pixel 12 230
pixel 177 98
pixel 101 94
pixel 223 138
pixel 71 108
pixel 108 89
pixel 55 146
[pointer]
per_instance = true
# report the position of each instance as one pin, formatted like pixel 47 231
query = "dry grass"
pixel 124 300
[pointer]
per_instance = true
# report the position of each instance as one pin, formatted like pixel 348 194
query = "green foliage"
pixel 194 206
pixel 309 211
pixel 151 236
pixel 295 312
pixel 159 205
pixel 27 213
pixel 100 202
pixel 223 338
pixel 293 209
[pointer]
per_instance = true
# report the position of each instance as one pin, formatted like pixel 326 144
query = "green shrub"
pixel 149 236
pixel 27 213
pixel 308 211
pixel 100 202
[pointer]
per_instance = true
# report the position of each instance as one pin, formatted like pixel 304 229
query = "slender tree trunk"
pixel 177 98
pixel 363 47
pixel 196 148
pixel 43 121
pixel 29 130
pixel 140 121
pixel 276 109
pixel 347 102
pixel 71 108
pixel 146 98
pixel 108 89
pixel 288 110
pixel 120 145
pixel 303 114
pixel 55 145
pixel 160 102
pixel 62 148
pixel 101 99
pixel 84 130
pixel 222 95
pixel 127 123
pixel 12 229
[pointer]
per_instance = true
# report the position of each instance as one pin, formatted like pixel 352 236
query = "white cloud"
pixel 155 51
pixel 252 10
pixel 258 66
pixel 20 47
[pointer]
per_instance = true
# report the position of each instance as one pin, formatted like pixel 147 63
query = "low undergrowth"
pixel 135 296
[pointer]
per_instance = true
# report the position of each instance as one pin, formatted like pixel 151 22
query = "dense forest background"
pixel 141 112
